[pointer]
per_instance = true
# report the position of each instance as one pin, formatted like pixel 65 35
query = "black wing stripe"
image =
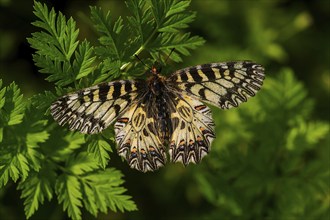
pixel 103 90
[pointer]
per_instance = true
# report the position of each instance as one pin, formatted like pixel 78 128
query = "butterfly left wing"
pixel 224 85
pixel 193 130
pixel 138 140
pixel 93 109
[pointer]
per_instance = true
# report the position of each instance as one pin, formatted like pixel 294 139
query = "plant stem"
pixel 143 46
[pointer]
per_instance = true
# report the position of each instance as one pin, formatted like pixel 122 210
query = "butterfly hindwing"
pixel 93 109
pixel 193 131
pixel 138 140
pixel 224 85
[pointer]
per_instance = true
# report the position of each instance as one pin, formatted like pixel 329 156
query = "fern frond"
pixel 111 34
pixel 141 22
pixel 68 192
pixel 60 39
pixel 103 191
pixel 84 59
pixel 13 167
pixel 56 45
pixel 171 15
pixel 12 105
pixel 100 149
pixel 82 163
pixel 36 188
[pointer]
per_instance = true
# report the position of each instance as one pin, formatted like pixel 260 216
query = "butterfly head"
pixel 155 69
pixel 156 81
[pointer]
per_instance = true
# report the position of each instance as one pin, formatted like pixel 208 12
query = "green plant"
pixel 275 163
pixel 48 161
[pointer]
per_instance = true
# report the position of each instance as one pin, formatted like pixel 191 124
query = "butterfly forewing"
pixel 224 85
pixel 93 109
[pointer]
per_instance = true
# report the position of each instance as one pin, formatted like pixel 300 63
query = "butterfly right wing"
pixel 224 85
pixel 93 109
pixel 193 131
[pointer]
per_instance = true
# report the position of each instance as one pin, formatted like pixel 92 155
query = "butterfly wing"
pixel 138 140
pixel 93 109
pixel 193 131
pixel 224 85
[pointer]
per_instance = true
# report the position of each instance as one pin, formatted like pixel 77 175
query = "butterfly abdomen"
pixel 159 98
pixel 163 118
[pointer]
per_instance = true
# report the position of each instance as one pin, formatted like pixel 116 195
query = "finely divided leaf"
pixel 35 189
pixel 110 34
pixel 141 22
pixel 56 45
pixel 13 166
pixel 100 149
pixel 12 105
pixel 103 191
pixel 84 58
pixel 172 15
pixel 181 42
pixel 82 163
pixel 60 37
pixel 32 145
pixel 62 144
pixel 42 101
pixel 68 192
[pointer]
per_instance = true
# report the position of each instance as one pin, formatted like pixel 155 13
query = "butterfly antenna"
pixel 169 55
pixel 137 57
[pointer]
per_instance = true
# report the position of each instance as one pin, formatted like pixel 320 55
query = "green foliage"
pixel 50 162
pixel 271 159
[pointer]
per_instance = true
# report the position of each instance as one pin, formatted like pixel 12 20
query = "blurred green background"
pixel 246 175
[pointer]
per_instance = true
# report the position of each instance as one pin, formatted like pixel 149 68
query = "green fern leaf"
pixel 182 44
pixel 32 145
pixel 103 191
pixel 82 163
pixel 36 188
pixel 141 21
pixel 306 135
pixel 68 192
pixel 56 45
pixel 12 106
pixel 61 36
pixel 112 36
pixel 62 143
pixel 99 148
pixel 171 15
pixel 83 63
pixel 13 166
pixel 42 101
pixel 2 95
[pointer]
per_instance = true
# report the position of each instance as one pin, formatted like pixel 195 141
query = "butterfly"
pixel 161 118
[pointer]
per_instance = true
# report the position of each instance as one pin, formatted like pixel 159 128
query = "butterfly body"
pixel 157 104
pixel 162 118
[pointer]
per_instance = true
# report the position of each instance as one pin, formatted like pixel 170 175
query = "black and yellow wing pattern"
pixel 138 140
pixel 193 131
pixel 224 85
pixel 93 109
pixel 161 118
